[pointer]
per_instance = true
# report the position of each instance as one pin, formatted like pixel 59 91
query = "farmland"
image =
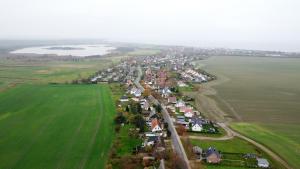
pixel 263 93
pixel 14 72
pixel 55 126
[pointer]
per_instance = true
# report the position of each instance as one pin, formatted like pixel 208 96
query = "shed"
pixel 262 163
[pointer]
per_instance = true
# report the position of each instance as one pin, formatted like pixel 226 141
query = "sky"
pixel 246 24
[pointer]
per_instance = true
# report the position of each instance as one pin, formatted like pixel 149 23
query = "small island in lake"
pixel 64 48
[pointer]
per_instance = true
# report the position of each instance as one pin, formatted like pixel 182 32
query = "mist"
pixel 247 24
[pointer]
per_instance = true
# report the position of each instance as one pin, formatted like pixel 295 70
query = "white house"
pixel 155 127
pixel 124 99
pixel 180 103
pixel 165 92
pixel 197 127
pixel 189 114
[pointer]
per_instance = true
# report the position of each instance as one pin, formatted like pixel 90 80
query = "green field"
pixel 56 126
pixel 288 148
pixel 14 72
pixel 264 93
pixel 234 146
pixel 139 52
pixel 230 146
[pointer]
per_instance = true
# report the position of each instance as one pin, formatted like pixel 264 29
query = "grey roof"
pixel 197 120
pixel 152 138
pixel 124 97
pixel 212 150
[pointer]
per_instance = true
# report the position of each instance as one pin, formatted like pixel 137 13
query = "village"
pixel 153 115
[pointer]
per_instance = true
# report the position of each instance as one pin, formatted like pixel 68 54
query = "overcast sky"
pixel 251 24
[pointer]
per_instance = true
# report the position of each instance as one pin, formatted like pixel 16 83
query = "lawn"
pixel 287 148
pixel 231 146
pixel 126 143
pixel 56 126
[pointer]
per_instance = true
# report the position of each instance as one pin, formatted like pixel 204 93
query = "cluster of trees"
pixel 158 108
pixel 134 117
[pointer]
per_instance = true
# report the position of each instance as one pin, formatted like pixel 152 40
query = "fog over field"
pixel 250 24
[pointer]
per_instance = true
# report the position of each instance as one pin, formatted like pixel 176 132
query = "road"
pixel 179 149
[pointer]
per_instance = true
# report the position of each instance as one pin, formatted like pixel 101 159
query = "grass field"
pixel 234 145
pixel 56 126
pixel 283 145
pixel 138 52
pixel 14 72
pixel 264 93
pixel 231 146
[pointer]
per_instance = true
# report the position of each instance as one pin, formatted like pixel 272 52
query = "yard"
pixel 56 126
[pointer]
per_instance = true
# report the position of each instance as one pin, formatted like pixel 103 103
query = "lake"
pixel 66 50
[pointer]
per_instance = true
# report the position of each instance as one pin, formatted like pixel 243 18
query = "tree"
pixel 138 108
pixel 127 108
pixel 146 92
pixel 181 130
pixel 158 108
pixel 139 122
pixel 120 118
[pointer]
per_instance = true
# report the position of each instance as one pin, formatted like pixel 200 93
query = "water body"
pixel 67 50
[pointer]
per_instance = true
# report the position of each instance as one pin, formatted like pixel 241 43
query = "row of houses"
pixel 119 73
pixel 155 134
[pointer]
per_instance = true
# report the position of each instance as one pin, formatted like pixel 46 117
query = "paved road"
pixel 174 136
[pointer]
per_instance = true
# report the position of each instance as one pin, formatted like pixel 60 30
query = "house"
pixel 262 163
pixel 151 141
pixel 124 99
pixel 165 92
pixel 180 103
pixel 213 156
pixel 197 150
pixel 188 112
pixel 172 100
pixel 181 84
pixel 155 126
pixel 197 124
pixel 146 105
pixel 138 93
